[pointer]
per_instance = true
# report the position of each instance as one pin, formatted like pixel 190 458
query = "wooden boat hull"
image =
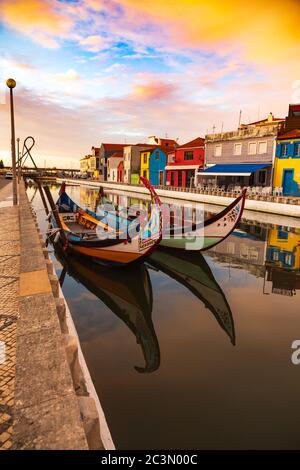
pixel 114 255
pixel 206 235
pixel 212 231
pixel 181 243
pixel 117 248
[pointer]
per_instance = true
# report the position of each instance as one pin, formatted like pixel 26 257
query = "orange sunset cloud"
pixel 37 18
pixel 264 30
pixel 153 91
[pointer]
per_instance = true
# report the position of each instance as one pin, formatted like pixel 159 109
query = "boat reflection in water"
pixel 192 271
pixel 127 292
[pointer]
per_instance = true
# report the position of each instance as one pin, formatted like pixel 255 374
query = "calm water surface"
pixel 191 351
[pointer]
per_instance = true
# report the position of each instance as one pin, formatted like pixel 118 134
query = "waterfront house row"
pixel 122 162
pixel 243 157
pixel 264 153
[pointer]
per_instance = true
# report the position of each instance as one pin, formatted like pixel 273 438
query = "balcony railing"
pixel 258 193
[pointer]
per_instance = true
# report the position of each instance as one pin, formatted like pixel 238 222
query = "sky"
pixel 92 71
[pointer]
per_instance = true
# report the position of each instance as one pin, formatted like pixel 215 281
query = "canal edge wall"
pixel 56 405
pixel 290 210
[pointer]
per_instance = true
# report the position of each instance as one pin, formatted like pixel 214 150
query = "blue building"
pixel 157 167
pixel 153 165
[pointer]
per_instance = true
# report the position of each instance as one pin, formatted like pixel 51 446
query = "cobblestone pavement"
pixel 9 287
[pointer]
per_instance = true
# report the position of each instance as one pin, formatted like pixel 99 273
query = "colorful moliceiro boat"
pixel 210 232
pixel 86 235
pixel 201 236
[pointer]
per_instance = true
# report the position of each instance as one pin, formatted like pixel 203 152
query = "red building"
pixel 184 161
pixel 120 173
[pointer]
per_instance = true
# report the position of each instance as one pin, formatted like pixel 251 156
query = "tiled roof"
pixel 97 149
pixel 274 119
pixel 114 146
pixel 170 142
pixel 116 155
pixel 295 134
pixel 149 146
pixel 294 107
pixel 198 142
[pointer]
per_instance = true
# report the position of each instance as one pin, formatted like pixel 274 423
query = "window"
pixel 145 158
pixel 252 148
pixel 237 149
pixel 284 150
pixel 179 178
pixel 282 235
pixel 171 158
pixel 218 150
pixel 189 176
pixel 297 150
pixel 262 176
pixel 189 155
pixel 145 173
pixel 262 147
pixel 156 155
pixel 172 178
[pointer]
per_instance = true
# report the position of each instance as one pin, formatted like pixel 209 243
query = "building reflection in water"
pixel 267 252
pixel 283 261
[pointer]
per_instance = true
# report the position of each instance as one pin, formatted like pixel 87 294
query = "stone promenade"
pixel 39 407
pixel 9 308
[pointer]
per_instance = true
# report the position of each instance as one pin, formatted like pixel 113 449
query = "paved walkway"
pixel 44 399
pixel 9 290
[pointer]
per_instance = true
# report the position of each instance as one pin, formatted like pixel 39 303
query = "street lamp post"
pixel 11 83
pixel 18 159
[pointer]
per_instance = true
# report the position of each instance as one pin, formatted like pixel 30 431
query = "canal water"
pixel 190 351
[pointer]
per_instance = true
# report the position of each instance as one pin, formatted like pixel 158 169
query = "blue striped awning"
pixel 238 169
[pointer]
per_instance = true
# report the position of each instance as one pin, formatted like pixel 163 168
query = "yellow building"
pixel 95 162
pixel 85 164
pixel 144 167
pixel 90 163
pixel 283 249
pixel 287 163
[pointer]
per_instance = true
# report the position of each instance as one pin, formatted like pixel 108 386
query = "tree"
pixel 1 164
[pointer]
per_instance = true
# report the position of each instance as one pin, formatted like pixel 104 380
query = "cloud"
pixel 69 75
pixel 149 68
pixel 42 20
pixel 252 28
pixel 94 43
pixel 255 30
pixel 153 91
